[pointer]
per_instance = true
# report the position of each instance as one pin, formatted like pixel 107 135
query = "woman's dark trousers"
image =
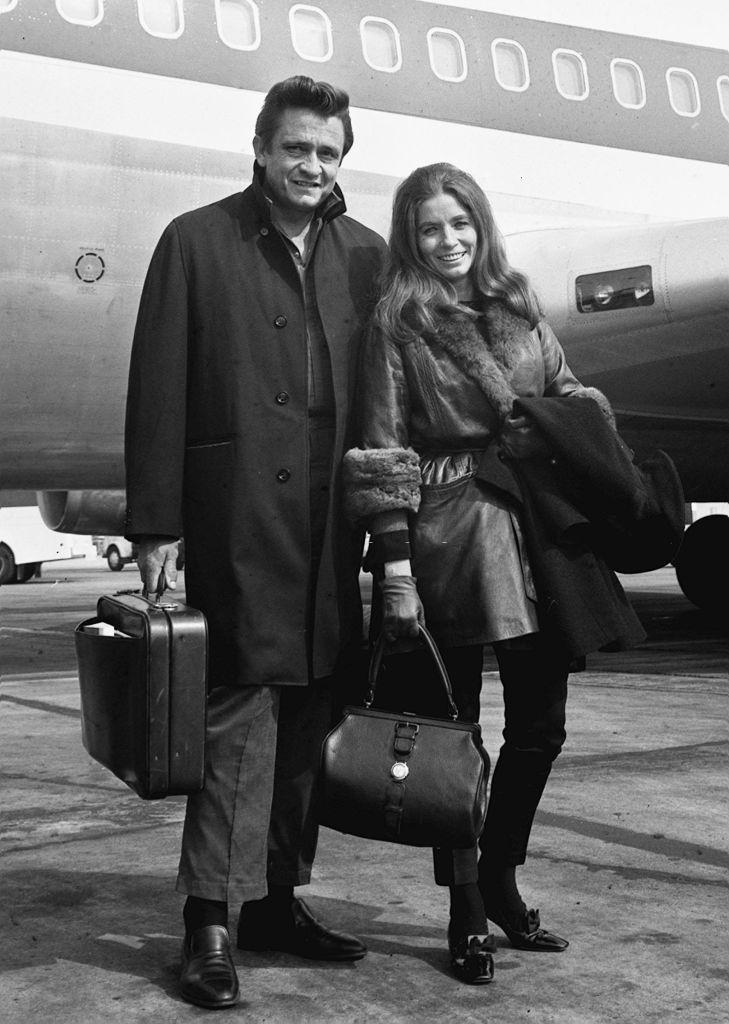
pixel 534 681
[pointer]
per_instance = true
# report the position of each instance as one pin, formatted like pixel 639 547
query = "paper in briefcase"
pixel 144 692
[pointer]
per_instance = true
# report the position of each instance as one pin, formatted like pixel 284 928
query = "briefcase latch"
pixel 405 733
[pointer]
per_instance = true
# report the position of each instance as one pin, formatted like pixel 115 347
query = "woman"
pixel 457 336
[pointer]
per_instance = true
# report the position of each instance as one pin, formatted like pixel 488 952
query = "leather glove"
pixel 402 608
pixel 157 563
pixel 520 439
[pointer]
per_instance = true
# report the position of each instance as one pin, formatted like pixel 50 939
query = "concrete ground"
pixel 628 860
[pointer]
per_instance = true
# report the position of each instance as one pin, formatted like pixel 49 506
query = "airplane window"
pixel 511 66
pixel 628 83
pixel 683 92
pixel 311 32
pixel 614 289
pixel 447 54
pixel 570 74
pixel 723 87
pixel 81 12
pixel 238 23
pixel 381 44
pixel 161 18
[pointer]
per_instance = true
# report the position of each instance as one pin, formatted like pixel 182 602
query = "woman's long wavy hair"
pixel 412 295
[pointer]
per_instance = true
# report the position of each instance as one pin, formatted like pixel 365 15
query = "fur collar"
pixel 486 363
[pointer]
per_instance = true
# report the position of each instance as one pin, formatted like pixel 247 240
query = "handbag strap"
pixel 376 663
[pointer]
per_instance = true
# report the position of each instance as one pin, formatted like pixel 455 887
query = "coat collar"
pixel 486 360
pixel 333 206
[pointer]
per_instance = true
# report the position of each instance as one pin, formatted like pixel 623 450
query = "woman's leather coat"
pixel 446 396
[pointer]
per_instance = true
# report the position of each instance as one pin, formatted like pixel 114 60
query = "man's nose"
pixel 311 164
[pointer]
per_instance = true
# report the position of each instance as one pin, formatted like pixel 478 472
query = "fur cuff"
pixel 380 480
pixel 602 400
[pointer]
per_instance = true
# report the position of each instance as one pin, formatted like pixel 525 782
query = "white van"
pixel 118 551
pixel 26 542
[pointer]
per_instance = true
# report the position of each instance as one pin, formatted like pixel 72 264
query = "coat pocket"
pixel 214 442
pixel 208 475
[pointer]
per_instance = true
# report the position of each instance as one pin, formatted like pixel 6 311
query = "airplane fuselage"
pixel 110 130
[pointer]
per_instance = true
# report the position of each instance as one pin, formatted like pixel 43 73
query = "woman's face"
pixel 447 241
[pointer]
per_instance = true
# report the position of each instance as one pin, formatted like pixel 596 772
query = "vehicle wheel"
pixel 702 563
pixel 113 559
pixel 7 565
pixel 26 571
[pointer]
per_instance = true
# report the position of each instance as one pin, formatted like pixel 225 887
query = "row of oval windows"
pixel 311 34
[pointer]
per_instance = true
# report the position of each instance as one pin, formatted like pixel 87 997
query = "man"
pixel 240 394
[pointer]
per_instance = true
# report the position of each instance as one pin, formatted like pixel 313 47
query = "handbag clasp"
pixel 405 733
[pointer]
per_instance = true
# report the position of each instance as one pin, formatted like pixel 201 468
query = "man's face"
pixel 302 160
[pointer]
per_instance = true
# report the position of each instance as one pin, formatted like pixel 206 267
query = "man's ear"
pixel 259 150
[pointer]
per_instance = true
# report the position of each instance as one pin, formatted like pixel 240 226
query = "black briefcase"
pixel 144 693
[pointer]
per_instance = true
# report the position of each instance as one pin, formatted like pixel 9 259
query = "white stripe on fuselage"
pixel 543 173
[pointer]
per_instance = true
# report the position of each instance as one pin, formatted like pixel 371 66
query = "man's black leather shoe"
pixel 526 933
pixel 471 959
pixel 294 929
pixel 208 977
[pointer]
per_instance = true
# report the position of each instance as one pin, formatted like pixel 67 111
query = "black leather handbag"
pixel 402 777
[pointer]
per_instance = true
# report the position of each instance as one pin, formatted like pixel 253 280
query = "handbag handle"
pixel 376 662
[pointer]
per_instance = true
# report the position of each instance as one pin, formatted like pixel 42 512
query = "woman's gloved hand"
pixel 402 608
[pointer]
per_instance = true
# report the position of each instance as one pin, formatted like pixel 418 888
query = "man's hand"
pixel 520 439
pixel 402 608
pixel 157 562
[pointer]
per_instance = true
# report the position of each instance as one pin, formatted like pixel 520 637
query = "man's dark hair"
pixel 302 92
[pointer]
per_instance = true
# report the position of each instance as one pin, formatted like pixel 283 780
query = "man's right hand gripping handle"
pixel 157 562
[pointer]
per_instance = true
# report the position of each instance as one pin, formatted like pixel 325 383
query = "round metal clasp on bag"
pixel 399 771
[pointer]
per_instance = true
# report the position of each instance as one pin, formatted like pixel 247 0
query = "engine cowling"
pixel 84 512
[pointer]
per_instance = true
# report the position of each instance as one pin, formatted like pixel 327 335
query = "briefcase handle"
pixel 376 661
pixel 144 596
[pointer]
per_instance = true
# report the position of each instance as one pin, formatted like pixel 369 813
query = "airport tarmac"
pixel 628 858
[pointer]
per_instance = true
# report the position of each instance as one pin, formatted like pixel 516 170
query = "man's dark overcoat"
pixel 217 439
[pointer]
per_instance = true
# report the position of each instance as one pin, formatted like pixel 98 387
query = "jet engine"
pixel 85 512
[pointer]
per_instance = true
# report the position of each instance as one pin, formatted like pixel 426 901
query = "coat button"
pixel 282 397
pixel 264 231
pixel 280 321
pixel 283 475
